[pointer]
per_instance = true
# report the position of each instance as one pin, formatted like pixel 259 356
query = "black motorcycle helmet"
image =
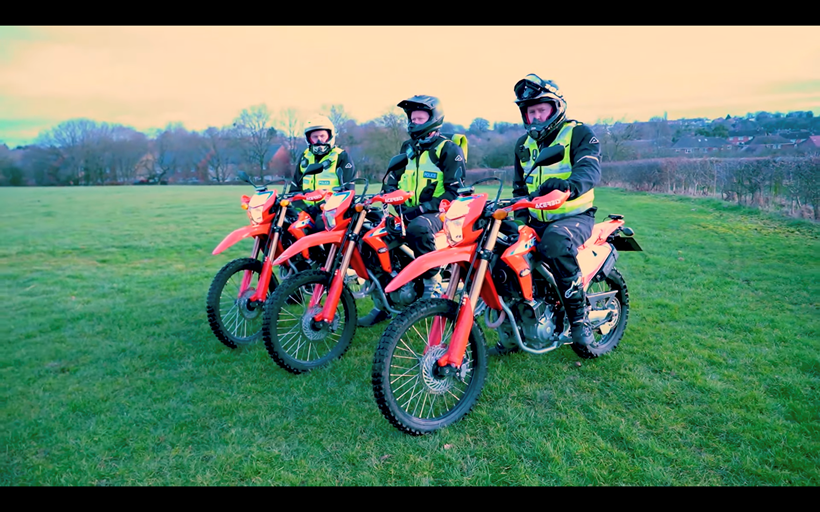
pixel 532 90
pixel 429 104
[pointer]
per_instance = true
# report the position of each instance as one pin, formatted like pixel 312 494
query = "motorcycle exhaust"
pixel 382 296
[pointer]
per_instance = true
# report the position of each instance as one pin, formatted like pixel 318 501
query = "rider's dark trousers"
pixel 421 237
pixel 558 248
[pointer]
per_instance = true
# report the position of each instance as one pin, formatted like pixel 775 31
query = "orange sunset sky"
pixel 146 77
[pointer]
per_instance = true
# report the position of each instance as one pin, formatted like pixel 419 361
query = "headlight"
pixel 452 229
pixel 255 205
pixel 330 218
pixel 255 214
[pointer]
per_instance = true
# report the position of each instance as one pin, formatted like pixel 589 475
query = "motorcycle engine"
pixel 505 281
pixel 404 296
pixel 537 321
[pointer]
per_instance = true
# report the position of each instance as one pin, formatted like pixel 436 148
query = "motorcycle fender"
pixel 358 265
pixel 241 234
pixel 318 238
pixel 427 261
pixel 381 248
pixel 600 232
pixel 626 243
pixel 489 293
pixel 591 259
pixel 607 267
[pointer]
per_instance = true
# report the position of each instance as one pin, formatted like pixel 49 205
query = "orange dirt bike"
pixel 238 291
pixel 431 362
pixel 311 317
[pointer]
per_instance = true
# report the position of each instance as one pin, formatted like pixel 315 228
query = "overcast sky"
pixel 146 77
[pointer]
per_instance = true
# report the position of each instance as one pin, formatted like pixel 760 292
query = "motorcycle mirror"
pixel 397 162
pixel 314 169
pixel 550 155
pixel 242 175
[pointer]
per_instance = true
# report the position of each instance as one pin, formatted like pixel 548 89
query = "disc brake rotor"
pixel 310 331
pixel 436 385
pixel 242 303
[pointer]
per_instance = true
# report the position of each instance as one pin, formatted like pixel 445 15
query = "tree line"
pixel 86 152
pixel 264 143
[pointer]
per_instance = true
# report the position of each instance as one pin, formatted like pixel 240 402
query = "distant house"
pixel 737 137
pixel 744 125
pixel 769 142
pixel 812 143
pixel 695 121
pixel 701 145
pixel 796 137
pixel 279 162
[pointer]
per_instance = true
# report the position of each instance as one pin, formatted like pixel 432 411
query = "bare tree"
pixel 287 121
pixel 395 123
pixel 217 157
pixel 255 135
pixel 165 152
pixel 382 140
pixel 613 139
pixel 339 118
pixel 128 148
pixel 479 125
pixel 77 142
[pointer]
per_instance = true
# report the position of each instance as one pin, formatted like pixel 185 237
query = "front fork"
pixel 437 329
pixel 338 278
pixel 452 360
pixel 267 265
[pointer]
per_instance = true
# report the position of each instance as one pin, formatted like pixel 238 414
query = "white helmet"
pixel 320 123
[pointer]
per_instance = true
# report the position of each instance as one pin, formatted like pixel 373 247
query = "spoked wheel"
pixel 293 339
pixel 233 319
pixel 609 329
pixel 409 388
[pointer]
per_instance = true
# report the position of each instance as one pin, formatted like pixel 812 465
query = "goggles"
pixel 527 89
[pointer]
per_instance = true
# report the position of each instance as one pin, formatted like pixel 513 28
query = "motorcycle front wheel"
pixel 409 390
pixel 233 320
pixel 294 341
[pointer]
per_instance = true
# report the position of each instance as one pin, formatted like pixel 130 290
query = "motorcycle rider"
pixel 339 167
pixel 562 231
pixel 435 164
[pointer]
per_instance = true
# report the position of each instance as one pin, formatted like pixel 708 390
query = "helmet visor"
pixel 526 90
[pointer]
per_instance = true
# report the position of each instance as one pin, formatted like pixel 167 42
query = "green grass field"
pixel 111 375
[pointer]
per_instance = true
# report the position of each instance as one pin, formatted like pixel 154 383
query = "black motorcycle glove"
pixel 427 193
pixel 413 212
pixel 550 185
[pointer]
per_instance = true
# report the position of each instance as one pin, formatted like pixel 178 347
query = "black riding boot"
pixel 375 316
pixel 572 293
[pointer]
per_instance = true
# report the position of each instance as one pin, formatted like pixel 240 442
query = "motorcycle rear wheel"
pixel 290 337
pixel 409 394
pixel 619 305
